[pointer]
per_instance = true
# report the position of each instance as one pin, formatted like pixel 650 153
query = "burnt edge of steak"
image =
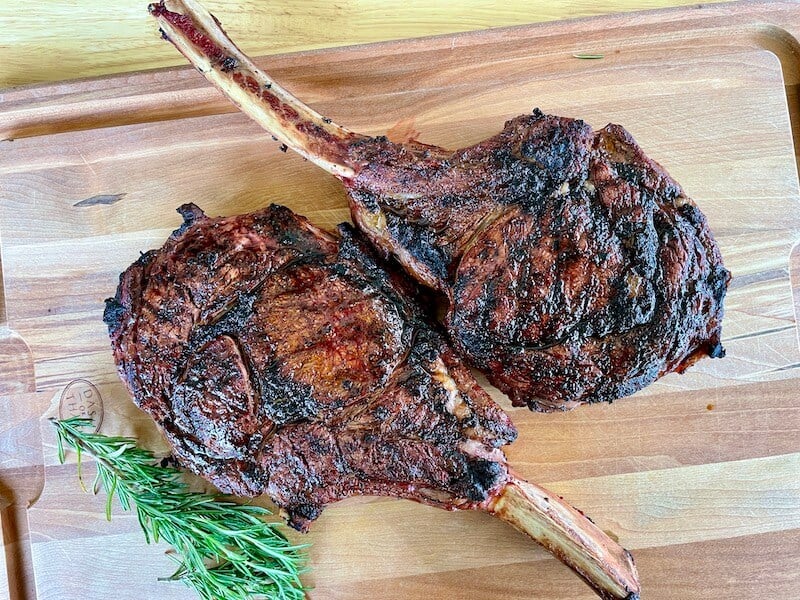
pixel 278 359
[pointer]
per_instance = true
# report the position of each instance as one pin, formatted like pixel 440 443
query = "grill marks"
pixel 576 269
pixel 277 359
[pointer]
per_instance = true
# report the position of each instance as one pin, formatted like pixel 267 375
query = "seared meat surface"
pixel 278 359
pixel 575 269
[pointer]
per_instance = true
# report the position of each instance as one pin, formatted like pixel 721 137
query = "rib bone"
pixel 200 38
pixel 606 566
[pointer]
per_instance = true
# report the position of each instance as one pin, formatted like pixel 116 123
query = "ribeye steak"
pixel 278 359
pixel 575 268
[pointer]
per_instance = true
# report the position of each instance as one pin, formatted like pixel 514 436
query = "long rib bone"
pixel 567 533
pixel 200 38
pixel 570 536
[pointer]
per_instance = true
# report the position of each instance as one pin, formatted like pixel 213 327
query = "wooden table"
pixel 55 41
pixel 699 475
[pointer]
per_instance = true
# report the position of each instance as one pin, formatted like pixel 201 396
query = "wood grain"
pixel 58 40
pixel 697 473
pixel 740 567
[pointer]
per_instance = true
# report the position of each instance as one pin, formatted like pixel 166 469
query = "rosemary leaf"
pixel 223 550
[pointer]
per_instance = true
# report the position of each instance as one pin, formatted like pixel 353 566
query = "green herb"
pixel 224 550
pixel 588 56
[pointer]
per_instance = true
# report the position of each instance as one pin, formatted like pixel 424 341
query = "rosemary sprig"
pixel 224 550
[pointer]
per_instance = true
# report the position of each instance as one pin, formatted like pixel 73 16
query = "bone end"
pixel 569 535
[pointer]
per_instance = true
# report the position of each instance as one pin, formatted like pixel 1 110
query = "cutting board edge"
pixel 770 23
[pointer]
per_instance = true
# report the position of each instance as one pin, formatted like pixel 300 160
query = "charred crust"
pixel 301 516
pixel 421 242
pixel 482 476
pixel 629 172
pixel 156 8
pixel 715 350
pixel 284 399
pixel 219 335
pixel 228 64
pixel 191 213
pixel 390 282
pixel 603 310
pixel 113 314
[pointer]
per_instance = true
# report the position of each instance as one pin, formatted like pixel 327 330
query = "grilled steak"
pixel 575 269
pixel 278 359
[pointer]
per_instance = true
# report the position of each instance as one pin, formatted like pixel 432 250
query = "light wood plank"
pixel 378 539
pixel 700 571
pixel 55 40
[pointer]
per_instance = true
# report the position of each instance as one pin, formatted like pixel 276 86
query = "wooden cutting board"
pixel 698 474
